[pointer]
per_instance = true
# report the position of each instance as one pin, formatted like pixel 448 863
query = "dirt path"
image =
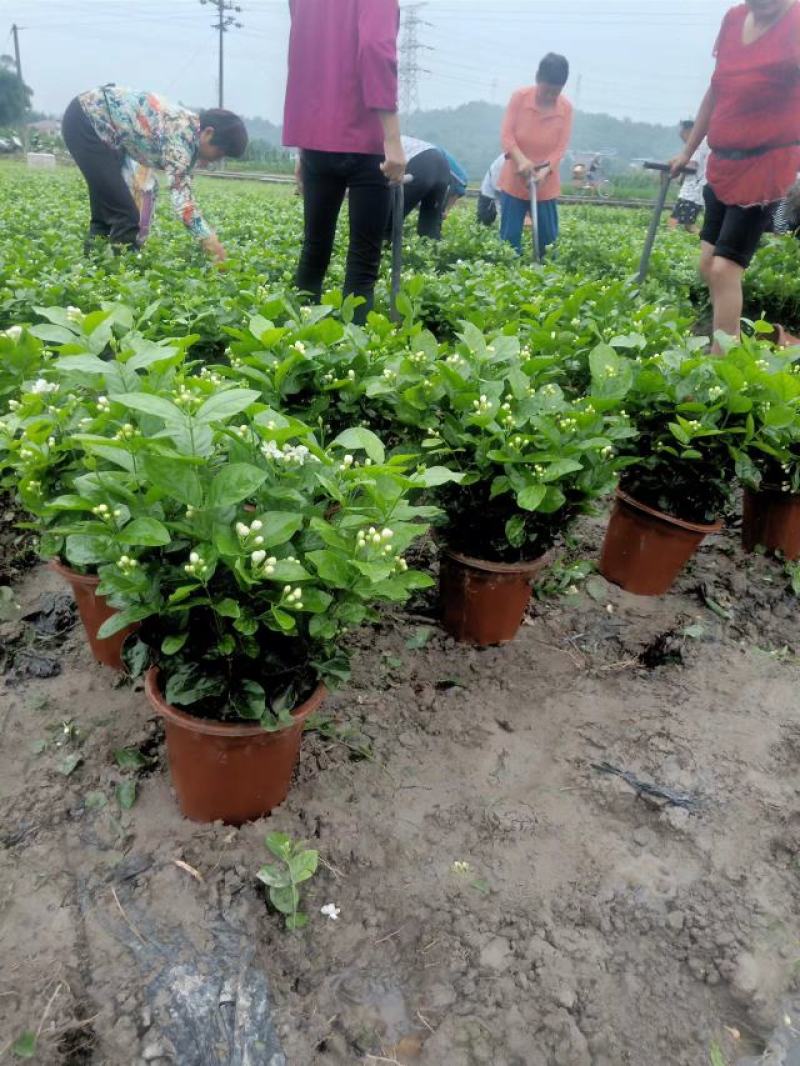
pixel 588 927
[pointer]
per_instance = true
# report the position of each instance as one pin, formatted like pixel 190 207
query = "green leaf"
pixel 24 1047
pixel 438 475
pixel 515 531
pixel 69 763
pixel 145 532
pixel 227 608
pixel 280 844
pixel 274 876
pixel 173 644
pixel 365 439
pixel 234 483
pixel 303 865
pixel 122 619
pixel 285 900
pixel 84 550
pixel 175 477
pixel 250 700
pixel 150 405
pixel 300 921
pixel 126 793
pixel 561 468
pixel 226 404
pixel 129 759
pixel 52 334
pixel 531 496
pixel 189 684
pixel 278 527
pixel 330 567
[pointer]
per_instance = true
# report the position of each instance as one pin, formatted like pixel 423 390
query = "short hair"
pixel 687 125
pixel 553 70
pixel 230 133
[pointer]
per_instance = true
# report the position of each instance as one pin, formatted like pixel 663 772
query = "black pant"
pixel 487 210
pixel 326 178
pixel 429 190
pixel 114 213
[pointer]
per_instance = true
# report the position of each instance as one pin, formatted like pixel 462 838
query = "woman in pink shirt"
pixel 341 112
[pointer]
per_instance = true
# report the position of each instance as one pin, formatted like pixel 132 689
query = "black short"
pixel 686 213
pixel 487 210
pixel 734 231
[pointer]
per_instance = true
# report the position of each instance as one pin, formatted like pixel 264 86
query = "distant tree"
pixel 15 97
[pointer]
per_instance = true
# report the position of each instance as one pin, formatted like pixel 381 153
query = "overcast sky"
pixel 642 59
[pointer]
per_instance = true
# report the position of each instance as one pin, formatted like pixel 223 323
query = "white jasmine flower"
pixel 42 386
pixel 330 910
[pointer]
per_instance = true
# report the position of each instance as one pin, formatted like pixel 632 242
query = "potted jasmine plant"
pixel 530 460
pixel 690 418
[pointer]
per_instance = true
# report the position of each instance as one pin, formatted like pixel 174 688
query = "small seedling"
pixel 344 733
pixel 24 1047
pixel 715 1056
pixel 130 759
pixel 295 865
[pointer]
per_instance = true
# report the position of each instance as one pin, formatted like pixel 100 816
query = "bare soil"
pixel 588 926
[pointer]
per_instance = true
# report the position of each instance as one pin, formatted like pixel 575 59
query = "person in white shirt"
pixel 437 181
pixel 489 197
pixel 690 199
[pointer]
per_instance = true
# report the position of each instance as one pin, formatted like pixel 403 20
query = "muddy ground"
pixel 589 926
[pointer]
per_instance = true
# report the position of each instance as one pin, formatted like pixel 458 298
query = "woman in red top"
pixel 751 115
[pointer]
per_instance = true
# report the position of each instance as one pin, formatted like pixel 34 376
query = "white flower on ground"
pixel 460 867
pixel 330 910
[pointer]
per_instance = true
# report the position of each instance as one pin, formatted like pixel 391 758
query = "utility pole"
pixel 15 35
pixel 18 62
pixel 227 18
pixel 410 49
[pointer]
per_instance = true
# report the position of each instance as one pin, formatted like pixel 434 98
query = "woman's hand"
pixel 213 247
pixel 525 168
pixel 394 163
pixel 679 164
pixel 542 172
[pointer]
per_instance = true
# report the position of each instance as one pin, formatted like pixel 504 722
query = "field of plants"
pixel 558 829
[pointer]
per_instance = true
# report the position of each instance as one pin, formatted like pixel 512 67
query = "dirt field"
pixel 590 926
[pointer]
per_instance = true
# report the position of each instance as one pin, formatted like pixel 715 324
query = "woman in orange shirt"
pixel 535 134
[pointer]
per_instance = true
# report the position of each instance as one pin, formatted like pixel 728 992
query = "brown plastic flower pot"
pixel 227 772
pixel 483 602
pixel 644 549
pixel 94 610
pixel 771 518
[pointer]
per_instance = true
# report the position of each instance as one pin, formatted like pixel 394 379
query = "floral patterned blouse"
pixel 156 133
